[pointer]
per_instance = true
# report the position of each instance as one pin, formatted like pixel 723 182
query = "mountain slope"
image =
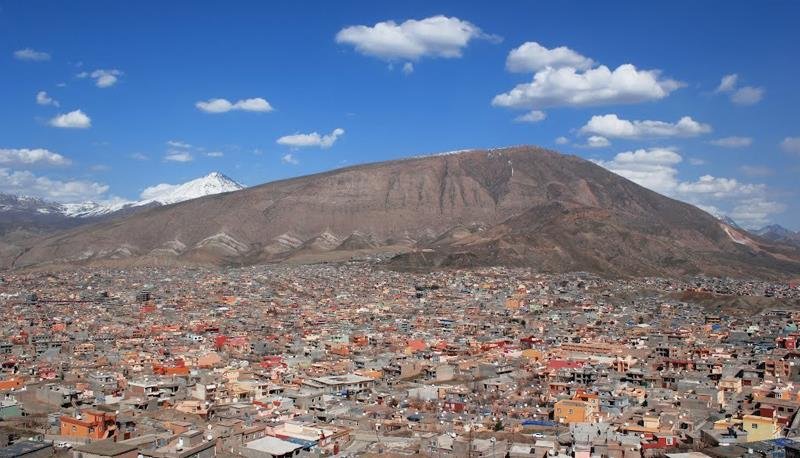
pixel 519 206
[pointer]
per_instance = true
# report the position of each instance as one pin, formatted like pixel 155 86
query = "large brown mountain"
pixel 521 206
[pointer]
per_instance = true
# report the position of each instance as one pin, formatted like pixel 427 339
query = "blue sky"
pixel 637 87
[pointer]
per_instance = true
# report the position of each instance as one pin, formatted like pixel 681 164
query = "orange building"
pixel 90 424
pixel 11 384
pixel 580 409
pixel 570 411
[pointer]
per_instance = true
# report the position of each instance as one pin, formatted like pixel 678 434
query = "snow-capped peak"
pixel 160 194
pixel 165 194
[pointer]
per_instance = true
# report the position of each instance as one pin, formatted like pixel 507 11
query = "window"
pixel 754 425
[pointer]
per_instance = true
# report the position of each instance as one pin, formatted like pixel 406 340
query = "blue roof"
pixel 537 423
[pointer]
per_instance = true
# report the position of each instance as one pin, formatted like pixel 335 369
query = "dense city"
pixel 355 360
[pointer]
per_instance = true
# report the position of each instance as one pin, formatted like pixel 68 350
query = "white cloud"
pixel 656 169
pixel 611 125
pixel 532 117
pixel 311 140
pixel 139 157
pixel 103 78
pixel 178 144
pixel 31 156
pixel 178 156
pixel 567 86
pixel 562 141
pixel 158 190
pixel 531 57
pixel 436 36
pixel 596 141
pixel 256 104
pixel 215 154
pixel 72 120
pixel 732 142
pixel 791 145
pixel 408 68
pixel 289 158
pixel 717 187
pixel 728 83
pixel 26 183
pixel 747 95
pixel 31 55
pixel 43 99
pixel 106 78
pixel 756 212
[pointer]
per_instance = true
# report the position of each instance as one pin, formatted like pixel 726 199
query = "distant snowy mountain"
pixel 775 229
pixel 162 194
pixel 213 183
pixel 778 233
pixel 729 221
pixel 39 215
pixel 11 203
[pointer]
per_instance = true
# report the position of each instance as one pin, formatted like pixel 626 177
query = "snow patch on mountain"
pixel 160 194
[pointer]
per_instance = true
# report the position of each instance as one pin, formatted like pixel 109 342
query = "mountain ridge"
pixel 523 206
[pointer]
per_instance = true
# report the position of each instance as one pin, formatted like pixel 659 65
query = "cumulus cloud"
pixel 26 183
pixel 103 78
pixel 791 145
pixel 436 36
pixel 596 141
pixel 728 83
pixel 656 169
pixel 25 156
pixel 568 86
pixel 408 68
pixel 732 142
pixel 747 95
pixel 31 55
pixel 611 125
pixel 43 99
pixel 531 57
pixel 532 117
pixel 152 192
pixel 311 140
pixel 289 158
pixel 652 168
pixel 256 104
pixel 178 156
pixel 756 212
pixel 717 187
pixel 72 120
pixel 561 140
pixel 178 144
